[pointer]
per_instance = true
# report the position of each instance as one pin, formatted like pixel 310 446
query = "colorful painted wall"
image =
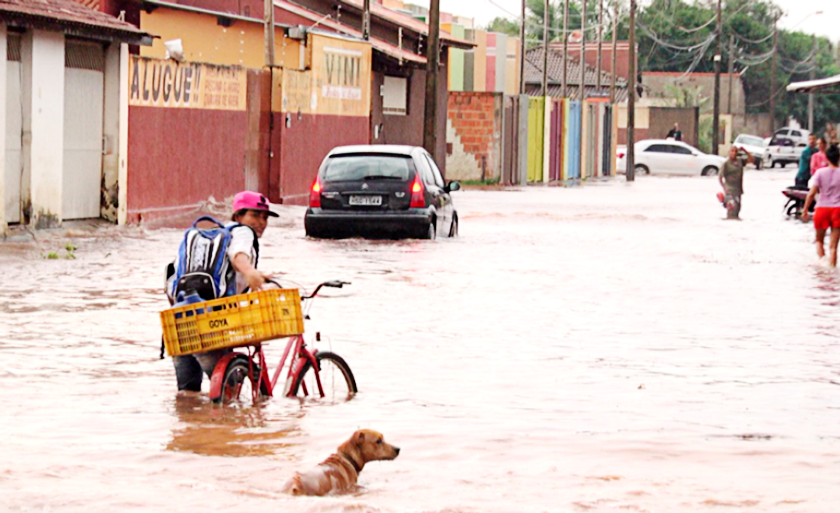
pixel 456 58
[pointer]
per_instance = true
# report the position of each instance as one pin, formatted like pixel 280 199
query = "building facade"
pixel 63 92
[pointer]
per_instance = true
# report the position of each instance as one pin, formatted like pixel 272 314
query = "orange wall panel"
pixel 204 40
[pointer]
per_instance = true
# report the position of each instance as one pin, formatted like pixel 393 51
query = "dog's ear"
pixel 359 437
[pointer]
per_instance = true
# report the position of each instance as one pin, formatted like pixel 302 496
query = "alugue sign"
pixel 171 84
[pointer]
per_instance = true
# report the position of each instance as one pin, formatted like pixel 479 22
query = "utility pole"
pixel 811 95
pixel 716 116
pixel 614 51
pixel 773 76
pixel 564 91
pixel 600 41
pixel 366 20
pixel 582 87
pixel 731 70
pixel 269 33
pixel 631 98
pixel 545 51
pixel 522 51
pixel 432 72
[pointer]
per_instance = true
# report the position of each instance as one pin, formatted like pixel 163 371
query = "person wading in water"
pixel 826 182
pixel 732 180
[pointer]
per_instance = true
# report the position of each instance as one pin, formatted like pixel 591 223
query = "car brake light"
pixel 418 200
pixel 315 194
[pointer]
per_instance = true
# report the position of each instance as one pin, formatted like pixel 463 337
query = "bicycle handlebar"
pixel 336 284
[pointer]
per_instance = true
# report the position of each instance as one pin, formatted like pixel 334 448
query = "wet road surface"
pixel 612 347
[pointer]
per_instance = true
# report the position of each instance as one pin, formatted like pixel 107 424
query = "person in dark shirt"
pixel 675 133
pixel 804 173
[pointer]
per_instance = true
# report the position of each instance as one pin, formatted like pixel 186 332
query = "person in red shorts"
pixel 826 182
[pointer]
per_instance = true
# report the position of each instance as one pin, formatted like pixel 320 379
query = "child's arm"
pixel 256 279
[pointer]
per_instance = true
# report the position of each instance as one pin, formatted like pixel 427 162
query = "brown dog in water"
pixel 340 471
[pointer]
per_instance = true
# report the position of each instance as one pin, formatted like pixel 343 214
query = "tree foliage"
pixel 504 26
pixel 679 36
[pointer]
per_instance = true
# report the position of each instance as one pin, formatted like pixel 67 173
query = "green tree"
pixel 504 26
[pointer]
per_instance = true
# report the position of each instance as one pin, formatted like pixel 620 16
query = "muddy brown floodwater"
pixel 612 347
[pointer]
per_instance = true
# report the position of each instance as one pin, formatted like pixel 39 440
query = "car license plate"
pixel 365 201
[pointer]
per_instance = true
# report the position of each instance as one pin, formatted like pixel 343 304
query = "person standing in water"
pixel 826 183
pixel 819 159
pixel 804 173
pixel 731 178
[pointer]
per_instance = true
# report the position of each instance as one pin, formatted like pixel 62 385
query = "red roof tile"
pixel 66 12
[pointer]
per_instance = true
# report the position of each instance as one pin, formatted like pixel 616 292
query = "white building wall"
pixel 122 212
pixel 3 43
pixel 47 115
pixel 111 132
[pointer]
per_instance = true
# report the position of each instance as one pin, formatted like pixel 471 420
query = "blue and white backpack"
pixel 202 266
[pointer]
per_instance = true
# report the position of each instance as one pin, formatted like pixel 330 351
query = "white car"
pixel 659 156
pixel 785 151
pixel 756 147
pixel 797 135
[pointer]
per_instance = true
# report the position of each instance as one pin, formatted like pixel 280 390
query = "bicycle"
pixel 238 375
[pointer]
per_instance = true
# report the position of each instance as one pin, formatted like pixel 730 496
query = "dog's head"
pixel 369 445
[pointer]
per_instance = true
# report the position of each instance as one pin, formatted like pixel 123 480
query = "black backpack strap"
pixel 256 241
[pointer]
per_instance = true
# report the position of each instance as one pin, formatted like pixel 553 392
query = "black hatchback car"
pixel 381 191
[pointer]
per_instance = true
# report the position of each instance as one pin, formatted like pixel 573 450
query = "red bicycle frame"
pixel 303 355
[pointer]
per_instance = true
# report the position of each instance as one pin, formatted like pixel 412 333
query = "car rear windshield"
pixel 752 141
pixel 343 168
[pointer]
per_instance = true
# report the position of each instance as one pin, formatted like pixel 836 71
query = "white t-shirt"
pixel 242 241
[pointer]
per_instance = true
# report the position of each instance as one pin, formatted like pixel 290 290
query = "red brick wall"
pixel 474 127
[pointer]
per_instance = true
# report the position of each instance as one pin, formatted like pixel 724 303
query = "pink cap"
pixel 252 201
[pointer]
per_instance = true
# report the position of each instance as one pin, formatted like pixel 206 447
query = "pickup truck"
pixel 783 150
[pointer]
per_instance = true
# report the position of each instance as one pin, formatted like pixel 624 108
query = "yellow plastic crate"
pixel 232 321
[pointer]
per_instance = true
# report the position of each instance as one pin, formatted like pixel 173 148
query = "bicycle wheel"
pixel 336 379
pixel 237 385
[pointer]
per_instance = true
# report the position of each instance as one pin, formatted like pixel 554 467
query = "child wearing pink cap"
pixel 250 209
pixel 249 220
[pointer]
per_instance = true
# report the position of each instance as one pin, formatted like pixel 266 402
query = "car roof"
pixel 385 149
pixel 665 141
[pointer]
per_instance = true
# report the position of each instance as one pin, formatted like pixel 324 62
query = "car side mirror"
pixel 453 186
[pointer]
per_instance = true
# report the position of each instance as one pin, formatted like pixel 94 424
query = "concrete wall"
pixel 111 134
pixel 754 124
pixel 408 129
pixel 662 120
pixel 474 136
pixel 47 116
pixel 3 43
pixel 704 83
pixel 642 123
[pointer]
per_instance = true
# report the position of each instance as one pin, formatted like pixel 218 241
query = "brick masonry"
pixel 473 135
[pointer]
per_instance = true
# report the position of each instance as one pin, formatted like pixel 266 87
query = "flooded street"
pixel 611 347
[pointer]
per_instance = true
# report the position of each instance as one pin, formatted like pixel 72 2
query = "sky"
pixel 795 12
